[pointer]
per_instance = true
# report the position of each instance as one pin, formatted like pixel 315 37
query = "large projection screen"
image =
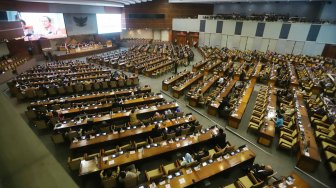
pixel 108 23
pixel 43 25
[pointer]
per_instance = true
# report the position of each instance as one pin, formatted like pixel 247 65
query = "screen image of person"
pixel 44 25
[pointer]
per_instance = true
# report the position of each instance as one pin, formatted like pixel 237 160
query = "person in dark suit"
pixel 261 172
pixel 220 138
pixel 155 131
pixel 201 153
pixel 175 66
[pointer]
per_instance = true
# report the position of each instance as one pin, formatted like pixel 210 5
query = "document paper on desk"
pixel 182 180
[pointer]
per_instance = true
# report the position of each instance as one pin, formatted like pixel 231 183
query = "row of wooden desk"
pixel 235 118
pixel 172 81
pixel 112 116
pixel 267 131
pixel 213 107
pixel 307 157
pixel 105 162
pixel 178 90
pixel 109 105
pixel 91 96
pixel 113 136
pixel 191 176
pixel 194 99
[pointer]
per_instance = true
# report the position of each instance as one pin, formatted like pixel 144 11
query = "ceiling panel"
pixel 110 3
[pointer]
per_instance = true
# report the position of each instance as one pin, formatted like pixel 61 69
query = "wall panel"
pixel 242 43
pixel 264 45
pixel 272 44
pixel 298 47
pixel 229 27
pixel 249 28
pixel 249 43
pixel 230 41
pixel 327 34
pixel 215 39
pixel 210 26
pixel 312 48
pixel 224 41
pixel 257 43
pixel 236 42
pixel 201 39
pixel 207 39
pixel 272 30
pixel 164 35
pixel 299 31
pixel 191 25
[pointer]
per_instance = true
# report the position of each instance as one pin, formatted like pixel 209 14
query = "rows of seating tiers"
pixel 150 59
pixel 10 64
pixel 60 78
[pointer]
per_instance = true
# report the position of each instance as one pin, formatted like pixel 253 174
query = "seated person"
pixel 279 122
pixel 156 132
pixel 187 159
pixel 108 173
pixel 261 172
pixel 157 116
pixel 133 116
pixel 201 153
pixel 130 172
pixel 220 138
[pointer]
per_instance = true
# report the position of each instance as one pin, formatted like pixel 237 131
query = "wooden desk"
pixel 149 72
pixel 298 182
pixel 90 96
pixel 199 66
pixel 194 99
pixel 142 100
pixel 130 132
pixel 91 166
pixel 267 131
pixel 273 75
pixel 178 91
pixel 191 176
pixel 109 117
pixel 293 77
pixel 85 53
pixel 235 118
pixel 209 68
pixel 212 108
pixel 257 69
pixel 167 83
pixel 306 160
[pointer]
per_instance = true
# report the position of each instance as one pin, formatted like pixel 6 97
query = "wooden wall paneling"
pixel 10 30
pixel 329 51
pixel 171 10
pixel 18 48
pixel 192 38
pixel 23 6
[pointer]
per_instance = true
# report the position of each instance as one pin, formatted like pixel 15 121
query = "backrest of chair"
pixel 140 144
pixel 155 178
pixel 170 136
pixel 157 139
pixel 130 182
pixel 74 164
pixel 179 114
pixel 198 128
pixel 110 182
pixel 185 131
pixel 125 147
pixel 204 159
